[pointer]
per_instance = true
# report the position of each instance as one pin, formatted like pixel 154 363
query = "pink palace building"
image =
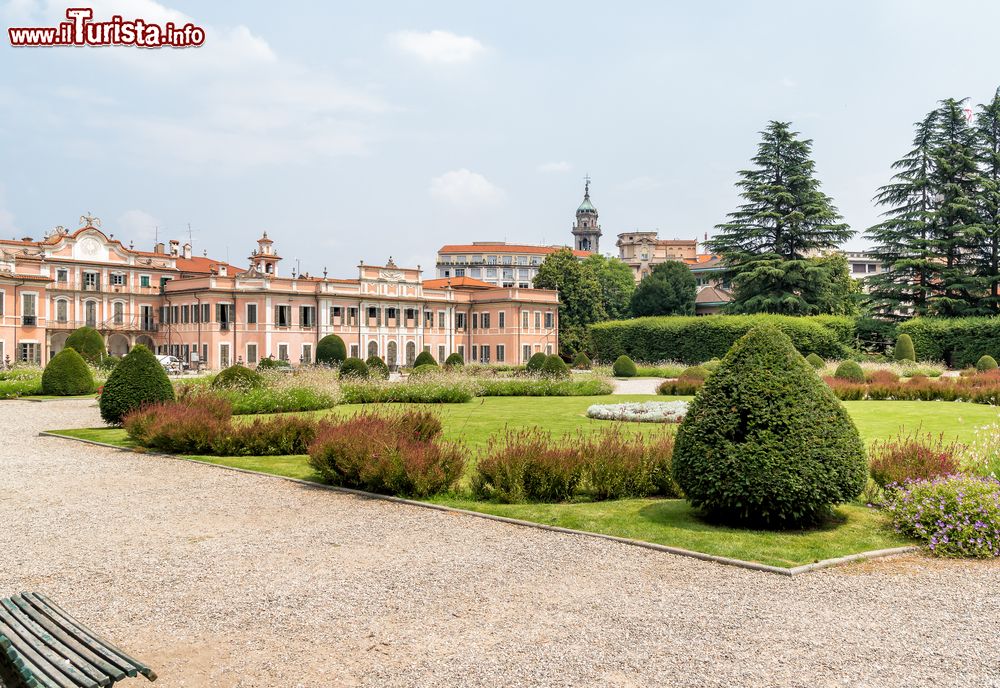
pixel 211 314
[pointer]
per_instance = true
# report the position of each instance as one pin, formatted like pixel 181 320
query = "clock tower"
pixel 586 231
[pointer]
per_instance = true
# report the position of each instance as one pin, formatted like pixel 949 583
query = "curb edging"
pixel 679 551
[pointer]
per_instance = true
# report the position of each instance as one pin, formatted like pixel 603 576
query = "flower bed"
pixel 641 412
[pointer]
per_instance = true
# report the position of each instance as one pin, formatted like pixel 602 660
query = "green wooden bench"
pixel 42 646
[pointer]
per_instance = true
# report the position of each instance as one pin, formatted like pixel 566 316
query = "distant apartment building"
pixel 211 314
pixel 641 251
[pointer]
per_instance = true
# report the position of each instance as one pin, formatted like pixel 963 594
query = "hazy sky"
pixel 358 130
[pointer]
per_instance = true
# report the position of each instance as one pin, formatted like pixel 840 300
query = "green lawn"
pixel 668 522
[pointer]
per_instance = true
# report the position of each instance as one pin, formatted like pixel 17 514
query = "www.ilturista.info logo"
pixel 80 30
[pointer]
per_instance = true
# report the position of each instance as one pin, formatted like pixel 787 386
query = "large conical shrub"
pixel 331 350
pixel 903 350
pixel 424 358
pixel 137 380
pixel 536 362
pixel 87 342
pixel 377 368
pixel 454 360
pixel 765 442
pixel 67 374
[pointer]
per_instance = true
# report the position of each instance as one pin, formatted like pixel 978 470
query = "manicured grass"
pixel 674 523
pixel 668 522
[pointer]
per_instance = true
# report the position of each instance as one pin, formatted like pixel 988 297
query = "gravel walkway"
pixel 636 385
pixel 222 579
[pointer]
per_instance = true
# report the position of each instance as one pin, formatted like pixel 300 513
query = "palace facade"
pixel 212 314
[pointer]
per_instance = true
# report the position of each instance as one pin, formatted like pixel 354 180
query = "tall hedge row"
pixel 959 342
pixel 693 339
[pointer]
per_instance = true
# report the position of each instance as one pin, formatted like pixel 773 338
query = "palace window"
pixel 118 312
pixel 475 321
pixel 307 316
pixel 525 353
pixel 62 311
pixel 441 319
pixel 143 280
pixel 283 318
pixel 441 353
pixel 283 349
pixel 501 321
pixel 508 260
pixel 548 320
pixel 500 353
pixel 486 321
pixel 185 314
pixel 538 320
pixel 117 279
pixel 251 353
pixel 62 275
pixel 524 320
pixel 251 315
pixel 459 321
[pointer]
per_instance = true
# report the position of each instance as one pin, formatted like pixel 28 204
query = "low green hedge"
pixel 959 342
pixel 695 339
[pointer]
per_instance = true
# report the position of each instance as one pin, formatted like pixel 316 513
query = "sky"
pixel 356 131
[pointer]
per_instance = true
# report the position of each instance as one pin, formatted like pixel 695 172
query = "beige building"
pixel 641 251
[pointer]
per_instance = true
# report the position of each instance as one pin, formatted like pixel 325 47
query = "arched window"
pixel 390 354
pixel 118 311
pixel 90 313
pixel 372 348
pixel 62 310
pixel 411 353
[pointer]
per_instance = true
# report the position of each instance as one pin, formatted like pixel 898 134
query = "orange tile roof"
pixel 713 295
pixel 200 264
pixel 457 283
pixel 507 248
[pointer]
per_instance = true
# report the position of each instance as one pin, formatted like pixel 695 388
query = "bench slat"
pixel 36 666
pixel 30 619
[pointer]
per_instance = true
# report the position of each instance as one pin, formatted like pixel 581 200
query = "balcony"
pixel 29 320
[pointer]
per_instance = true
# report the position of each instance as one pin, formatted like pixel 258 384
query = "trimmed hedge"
pixel 238 377
pixel 424 369
pixel 377 368
pixel 67 374
pixel 765 442
pixel 903 351
pixel 454 360
pixel 424 358
pixel 87 342
pixel 535 363
pixel 816 362
pixel 851 371
pixel 137 380
pixel 331 350
pixel 986 363
pixel 555 367
pixel 695 339
pixel 959 342
pixel 624 367
pixel 354 367
pixel 581 361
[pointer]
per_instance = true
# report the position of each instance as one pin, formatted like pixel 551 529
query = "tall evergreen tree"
pixel 955 178
pixel 987 254
pixel 767 243
pixel 901 240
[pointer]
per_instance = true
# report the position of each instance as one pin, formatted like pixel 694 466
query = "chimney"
pixel 174 245
pixel 222 270
pixel 187 251
pixel 158 247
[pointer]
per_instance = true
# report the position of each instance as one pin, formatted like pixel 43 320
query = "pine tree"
pixel 955 178
pixel 987 254
pixel 786 218
pixel 901 241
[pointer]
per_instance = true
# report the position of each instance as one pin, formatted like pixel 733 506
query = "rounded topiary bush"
pixel 986 363
pixel 331 350
pixel 698 372
pixel 137 380
pixel 67 374
pixel 377 367
pixel 536 362
pixel 424 369
pixel 624 367
pixel 454 361
pixel 581 361
pixel 354 367
pixel 87 342
pixel 272 364
pixel 424 358
pixel 765 442
pixel 850 371
pixel 710 365
pixel 816 362
pixel 903 350
pixel 555 367
pixel 238 377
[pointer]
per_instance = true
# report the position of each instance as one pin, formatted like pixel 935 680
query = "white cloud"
pixel 440 47
pixel 137 225
pixel 466 189
pixel 550 167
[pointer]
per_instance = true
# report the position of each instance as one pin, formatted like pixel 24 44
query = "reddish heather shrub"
pixel 274 436
pixel 684 386
pixel 188 427
pixel 526 465
pixel 881 377
pixel 845 389
pixel 912 457
pixel 618 464
pixel 393 454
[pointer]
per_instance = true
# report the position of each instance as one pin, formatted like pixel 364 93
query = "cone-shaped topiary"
pixel 555 367
pixel 454 361
pixel 624 367
pixel 377 367
pixel 354 367
pixel 581 361
pixel 904 349
pixel 816 362
pixel 67 374
pixel 137 380
pixel 765 442
pixel 88 342
pixel 535 363
pixel 424 358
pixel 986 363
pixel 331 350
pixel 238 377
pixel 851 371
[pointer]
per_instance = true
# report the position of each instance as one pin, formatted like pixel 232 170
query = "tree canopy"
pixel 669 289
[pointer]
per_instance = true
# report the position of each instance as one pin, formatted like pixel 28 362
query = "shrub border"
pixel 727 561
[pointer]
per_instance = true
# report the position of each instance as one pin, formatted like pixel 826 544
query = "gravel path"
pixel 636 385
pixel 224 579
